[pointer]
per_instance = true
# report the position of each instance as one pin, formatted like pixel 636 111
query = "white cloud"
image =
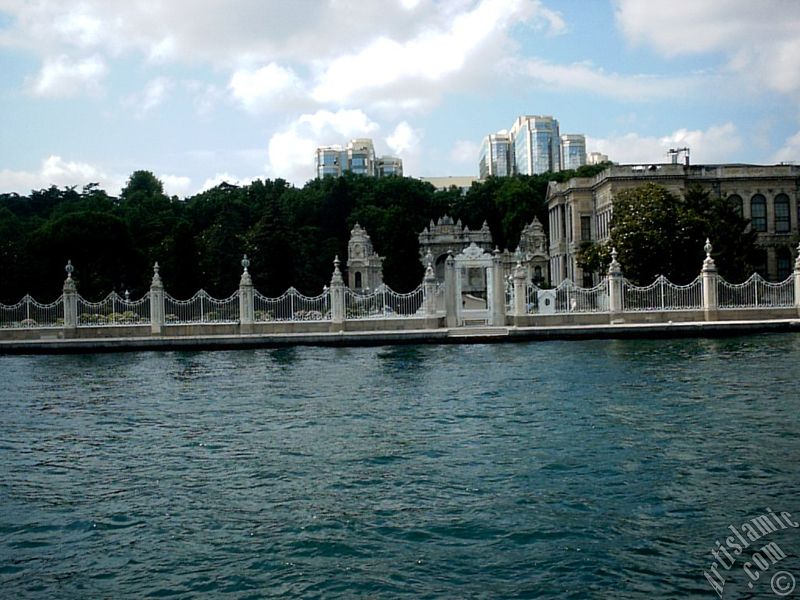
pixel 465 152
pixel 759 39
pixel 790 152
pixel 585 77
pixel 258 89
pixel 291 151
pixel 176 185
pixel 431 56
pixel 153 94
pixel 224 178
pixel 718 143
pixel 404 139
pixel 62 76
pixel 54 170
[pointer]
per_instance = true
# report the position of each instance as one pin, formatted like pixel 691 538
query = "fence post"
pixel 451 294
pixel 498 291
pixel 156 303
pixel 797 281
pixel 709 274
pixel 615 292
pixel 70 302
pixel 520 309
pixel 429 288
pixel 246 299
pixel 337 296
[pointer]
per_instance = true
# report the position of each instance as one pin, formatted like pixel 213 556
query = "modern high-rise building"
pixel 361 156
pixel 330 161
pixel 537 145
pixel 573 151
pixel 388 165
pixel 357 157
pixel 497 156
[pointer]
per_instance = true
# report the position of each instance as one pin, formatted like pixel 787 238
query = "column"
pixel 709 274
pixel 246 299
pixel 520 289
pixel 451 293
pixel 156 303
pixel 337 296
pixel 429 287
pixel 70 302
pixel 498 291
pixel 615 287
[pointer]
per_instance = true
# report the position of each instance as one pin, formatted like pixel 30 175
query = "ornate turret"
pixel 364 266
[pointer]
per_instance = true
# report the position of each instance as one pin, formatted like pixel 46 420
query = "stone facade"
pixel 446 236
pixel 364 266
pixel 580 209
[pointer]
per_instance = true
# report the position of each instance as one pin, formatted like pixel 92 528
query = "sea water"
pixel 580 469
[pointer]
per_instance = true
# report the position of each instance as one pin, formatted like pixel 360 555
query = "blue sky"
pixel 200 91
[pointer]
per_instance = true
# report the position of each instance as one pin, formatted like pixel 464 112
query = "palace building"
pixel 580 209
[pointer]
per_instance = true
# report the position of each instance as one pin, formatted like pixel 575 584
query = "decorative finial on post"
pixel 127 296
pixel 429 258
pixel 614 268
pixel 156 282
pixel 708 263
pixel 69 282
pixel 797 261
pixel 245 279
pixel 337 274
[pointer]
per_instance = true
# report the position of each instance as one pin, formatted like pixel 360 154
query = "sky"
pixel 204 91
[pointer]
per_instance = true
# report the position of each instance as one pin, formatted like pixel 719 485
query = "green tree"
pixel 656 233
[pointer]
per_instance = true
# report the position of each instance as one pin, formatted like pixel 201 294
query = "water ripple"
pixel 552 470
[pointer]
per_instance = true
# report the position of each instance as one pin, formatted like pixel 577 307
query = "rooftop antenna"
pixel 675 152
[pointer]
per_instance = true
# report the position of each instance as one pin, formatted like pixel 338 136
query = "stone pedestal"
pixel 709 277
pixel 156 303
pixel 337 298
pixel 497 318
pixel 70 303
pixel 616 305
pixel 246 299
pixel 451 291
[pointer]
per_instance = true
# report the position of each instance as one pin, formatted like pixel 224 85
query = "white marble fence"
pixel 337 303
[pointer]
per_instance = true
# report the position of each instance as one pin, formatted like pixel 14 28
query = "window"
pixel 737 203
pixel 586 229
pixel 537 274
pixel 358 280
pixel 758 212
pixel 783 222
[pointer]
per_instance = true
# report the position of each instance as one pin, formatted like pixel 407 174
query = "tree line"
pixel 291 234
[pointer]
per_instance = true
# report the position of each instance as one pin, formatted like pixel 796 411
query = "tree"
pixel 658 233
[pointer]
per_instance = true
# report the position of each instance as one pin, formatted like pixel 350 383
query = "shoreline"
pixel 458 335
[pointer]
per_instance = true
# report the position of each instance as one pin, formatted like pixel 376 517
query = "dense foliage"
pixel 291 234
pixel 658 233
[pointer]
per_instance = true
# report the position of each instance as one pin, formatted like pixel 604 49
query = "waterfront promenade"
pixel 514 309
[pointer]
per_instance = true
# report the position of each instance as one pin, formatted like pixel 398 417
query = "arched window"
pixel 358 280
pixel 737 203
pixel 758 212
pixel 783 222
pixel 537 274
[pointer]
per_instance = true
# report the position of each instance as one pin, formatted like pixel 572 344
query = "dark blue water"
pixel 592 469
